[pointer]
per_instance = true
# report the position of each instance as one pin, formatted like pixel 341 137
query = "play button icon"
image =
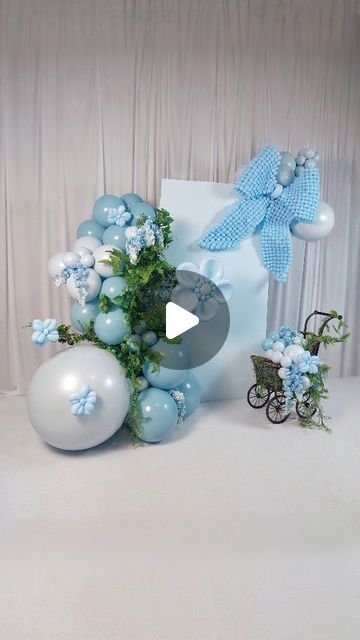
pixel 178 320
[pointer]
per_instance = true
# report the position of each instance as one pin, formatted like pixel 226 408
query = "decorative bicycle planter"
pixel 268 389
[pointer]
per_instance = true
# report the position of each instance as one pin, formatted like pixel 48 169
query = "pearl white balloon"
pixel 130 232
pixel 306 382
pixel 102 253
pixel 70 258
pixel 276 357
pixel 89 242
pixel 93 286
pixel 293 351
pixel 268 353
pixel 87 260
pixel 282 373
pixel 319 228
pixel 285 361
pixel 83 251
pixel 278 346
pixel 56 264
pixel 49 407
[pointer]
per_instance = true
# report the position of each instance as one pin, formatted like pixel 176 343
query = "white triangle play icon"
pixel 178 320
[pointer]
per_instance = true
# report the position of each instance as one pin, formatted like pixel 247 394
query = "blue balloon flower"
pixel 84 402
pixel 119 215
pixel 44 331
pixel 307 363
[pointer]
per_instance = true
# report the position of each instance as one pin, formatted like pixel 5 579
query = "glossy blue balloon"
pixel 160 407
pixel 115 235
pixel 164 378
pixel 175 356
pixel 113 286
pixel 267 344
pixel 82 314
pixel 101 206
pixel 90 228
pixel 139 208
pixel 191 388
pixel 274 336
pixel 111 327
pixel 285 175
pixel 130 199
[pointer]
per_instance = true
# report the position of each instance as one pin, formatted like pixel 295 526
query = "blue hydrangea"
pixel 146 236
pixel 293 384
pixel 79 273
pixel 84 402
pixel 44 331
pixel 307 363
pixel 119 216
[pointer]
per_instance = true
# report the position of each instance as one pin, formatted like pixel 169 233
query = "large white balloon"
pixel 56 264
pixel 293 351
pixel 319 228
pixel 103 253
pixel 93 286
pixel 90 242
pixel 276 357
pixel 49 407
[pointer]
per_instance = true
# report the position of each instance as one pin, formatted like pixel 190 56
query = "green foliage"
pixel 317 393
pixel 334 332
pixel 105 304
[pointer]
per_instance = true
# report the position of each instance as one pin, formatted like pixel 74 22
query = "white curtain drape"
pixel 113 95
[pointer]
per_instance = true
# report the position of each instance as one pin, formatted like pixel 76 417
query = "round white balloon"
pixel 103 253
pixel 278 346
pixel 276 357
pixel 89 242
pixel 49 407
pixel 268 354
pixel 83 251
pixel 87 260
pixel 293 351
pixel 93 286
pixel 70 258
pixel 319 228
pixel 306 382
pixel 282 373
pixel 285 361
pixel 56 264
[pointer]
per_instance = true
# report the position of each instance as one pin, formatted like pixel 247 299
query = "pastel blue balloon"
pixel 285 175
pixel 113 286
pixel 115 235
pixel 267 344
pixel 164 378
pixel 90 228
pixel 139 208
pixel 130 199
pixel 101 206
pixel 160 407
pixel 274 336
pixel 175 356
pixel 288 159
pixel 111 327
pixel 150 338
pixel 82 314
pixel 191 388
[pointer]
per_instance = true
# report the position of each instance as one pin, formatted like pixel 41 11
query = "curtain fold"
pixel 114 95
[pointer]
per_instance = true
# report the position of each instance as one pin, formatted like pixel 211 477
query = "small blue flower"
pixel 307 363
pixel 44 331
pixel 84 402
pixel 119 216
pixel 288 335
pixel 142 237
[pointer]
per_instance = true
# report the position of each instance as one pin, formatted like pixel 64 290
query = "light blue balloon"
pixel 101 206
pixel 111 327
pixel 160 407
pixel 288 159
pixel 267 344
pixel 164 378
pixel 150 338
pixel 82 314
pixel 130 199
pixel 191 388
pixel 139 208
pixel 274 336
pixel 113 286
pixel 285 175
pixel 90 228
pixel 115 235
pixel 175 356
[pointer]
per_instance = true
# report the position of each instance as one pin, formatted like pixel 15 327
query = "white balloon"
pixel 276 357
pixel 56 264
pixel 282 373
pixel 130 232
pixel 319 228
pixel 93 286
pixel 89 242
pixel 103 253
pixel 83 251
pixel 87 260
pixel 285 361
pixel 66 373
pixel 306 382
pixel 70 258
pixel 293 351
pixel 278 346
pixel 269 353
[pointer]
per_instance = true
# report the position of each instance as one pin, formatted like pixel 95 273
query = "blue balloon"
pixel 101 206
pixel 115 235
pixel 130 199
pixel 285 175
pixel 287 158
pixel 90 228
pixel 139 208
pixel 160 407
pixel 177 361
pixel 111 327
pixel 164 378
pixel 150 338
pixel 274 336
pixel 113 286
pixel 82 314
pixel 191 388
pixel 267 344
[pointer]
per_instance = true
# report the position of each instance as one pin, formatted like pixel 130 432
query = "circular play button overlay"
pixel 198 316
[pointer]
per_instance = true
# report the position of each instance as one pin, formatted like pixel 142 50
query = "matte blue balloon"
pixel 90 228
pixel 150 338
pixel 111 327
pixel 130 199
pixel 160 407
pixel 285 175
pixel 101 206
pixel 139 208
pixel 191 388
pixel 112 287
pixel 164 378
pixel 288 159
pixel 82 314
pixel 267 344
pixel 175 356
pixel 115 235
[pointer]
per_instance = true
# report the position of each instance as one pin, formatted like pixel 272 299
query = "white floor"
pixel 235 529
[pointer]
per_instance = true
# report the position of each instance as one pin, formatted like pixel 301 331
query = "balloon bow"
pixel 271 207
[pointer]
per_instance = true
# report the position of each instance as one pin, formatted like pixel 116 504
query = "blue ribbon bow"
pixel 268 205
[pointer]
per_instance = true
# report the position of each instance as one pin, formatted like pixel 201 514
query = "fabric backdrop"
pixel 113 95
